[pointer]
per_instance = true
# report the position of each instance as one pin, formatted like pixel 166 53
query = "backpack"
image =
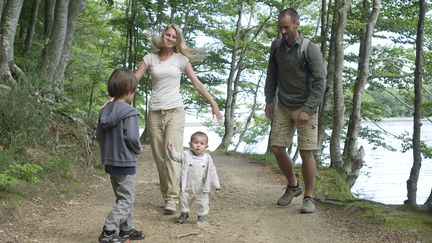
pixel 302 56
pixel 302 52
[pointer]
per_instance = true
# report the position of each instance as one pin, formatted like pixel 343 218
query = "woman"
pixel 166 114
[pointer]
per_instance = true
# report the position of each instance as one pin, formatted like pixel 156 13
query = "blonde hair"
pixel 180 45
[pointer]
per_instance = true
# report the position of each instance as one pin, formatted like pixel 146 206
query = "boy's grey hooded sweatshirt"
pixel 118 134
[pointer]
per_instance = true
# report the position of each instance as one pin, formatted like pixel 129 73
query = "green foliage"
pixel 19 171
pixel 375 138
pixel 406 144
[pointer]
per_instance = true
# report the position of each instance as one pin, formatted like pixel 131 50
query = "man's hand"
pixel 303 118
pixel 269 110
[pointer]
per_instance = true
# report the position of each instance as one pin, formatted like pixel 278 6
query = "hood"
pixel 113 112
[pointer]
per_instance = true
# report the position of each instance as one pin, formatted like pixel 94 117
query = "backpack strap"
pixel 274 46
pixel 302 53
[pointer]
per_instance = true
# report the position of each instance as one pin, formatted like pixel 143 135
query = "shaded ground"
pixel 243 211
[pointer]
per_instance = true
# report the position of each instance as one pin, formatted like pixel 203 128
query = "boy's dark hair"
pixel 121 82
pixel 200 134
pixel 291 12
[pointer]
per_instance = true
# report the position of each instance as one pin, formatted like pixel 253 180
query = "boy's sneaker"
pixel 170 208
pixel 308 205
pixel 110 237
pixel 183 218
pixel 132 234
pixel 289 194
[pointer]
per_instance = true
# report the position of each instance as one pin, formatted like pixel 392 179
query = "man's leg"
pixel 308 171
pixel 307 140
pixel 285 164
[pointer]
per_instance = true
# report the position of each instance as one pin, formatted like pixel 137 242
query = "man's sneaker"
pixel 289 194
pixel 132 234
pixel 111 237
pixel 183 218
pixel 308 205
pixel 170 208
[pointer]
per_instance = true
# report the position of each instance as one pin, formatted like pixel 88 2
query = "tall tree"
pixel 9 21
pixel 340 13
pixel 32 27
pixel 57 39
pixel 231 85
pixel 240 47
pixel 50 6
pixel 74 10
pixel 326 106
pixel 418 76
pixel 352 155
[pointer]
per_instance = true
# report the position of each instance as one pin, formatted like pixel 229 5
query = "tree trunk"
pixel 9 21
pixel 418 76
pixel 327 104
pixel 341 9
pixel 251 114
pixel 1 8
pixel 57 40
pixel 428 204
pixel 354 156
pixel 49 17
pixel 229 104
pixel 31 28
pixel 75 9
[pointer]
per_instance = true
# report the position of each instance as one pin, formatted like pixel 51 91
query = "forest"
pixel 56 56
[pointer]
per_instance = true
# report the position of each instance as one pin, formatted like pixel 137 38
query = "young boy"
pixel 197 175
pixel 118 136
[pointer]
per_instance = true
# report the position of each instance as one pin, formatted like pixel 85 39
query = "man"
pixel 300 84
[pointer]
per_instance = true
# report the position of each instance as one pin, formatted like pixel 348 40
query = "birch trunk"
pixel 229 104
pixel 354 156
pixel 341 10
pixel 418 96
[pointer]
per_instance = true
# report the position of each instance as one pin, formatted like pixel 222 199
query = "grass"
pixel 399 217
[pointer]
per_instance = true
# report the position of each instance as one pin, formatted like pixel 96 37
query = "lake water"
pixel 383 178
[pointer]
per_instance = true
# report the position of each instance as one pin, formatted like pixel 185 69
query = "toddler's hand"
pixel 169 146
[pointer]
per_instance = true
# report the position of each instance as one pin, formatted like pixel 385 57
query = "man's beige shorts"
pixel 284 125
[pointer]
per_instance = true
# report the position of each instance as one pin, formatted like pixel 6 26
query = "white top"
pixel 165 76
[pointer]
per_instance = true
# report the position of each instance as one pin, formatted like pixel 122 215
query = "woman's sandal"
pixel 132 234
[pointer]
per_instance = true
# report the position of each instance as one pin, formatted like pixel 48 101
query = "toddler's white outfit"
pixel 197 176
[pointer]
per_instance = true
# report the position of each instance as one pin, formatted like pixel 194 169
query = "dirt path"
pixel 243 211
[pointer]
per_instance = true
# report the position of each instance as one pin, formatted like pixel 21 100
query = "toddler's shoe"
pixel 183 218
pixel 202 221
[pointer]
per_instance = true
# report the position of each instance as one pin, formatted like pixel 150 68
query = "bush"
pixel 22 120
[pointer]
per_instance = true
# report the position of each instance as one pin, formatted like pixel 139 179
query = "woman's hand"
pixel 216 112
